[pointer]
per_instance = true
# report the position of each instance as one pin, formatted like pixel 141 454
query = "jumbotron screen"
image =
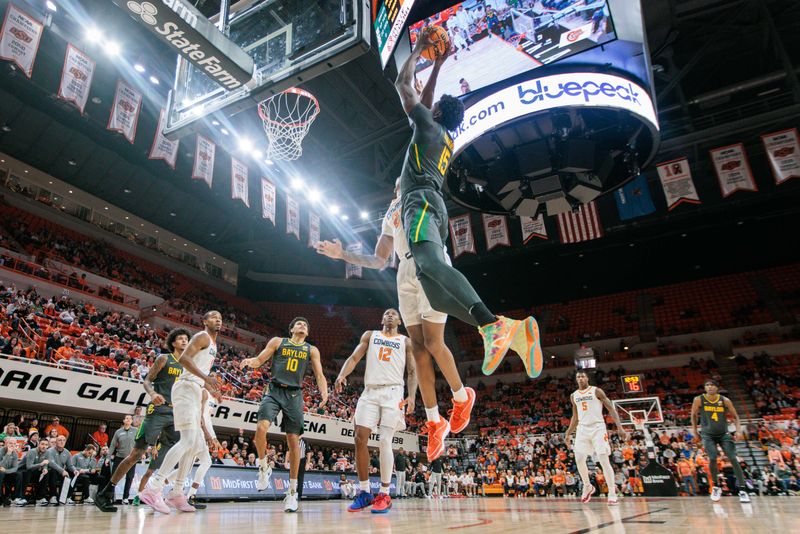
pixel 496 39
pixel 388 20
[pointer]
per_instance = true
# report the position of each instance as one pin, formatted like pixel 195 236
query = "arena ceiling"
pixel 721 68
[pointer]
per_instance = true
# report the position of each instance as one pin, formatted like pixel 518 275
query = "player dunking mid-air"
pixel 714 409
pixel 290 358
pixel 424 324
pixel 426 222
pixel 157 426
pixel 592 437
pixel 380 406
pixel 187 397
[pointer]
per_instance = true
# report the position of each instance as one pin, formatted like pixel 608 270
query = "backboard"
pixel 290 41
pixel 639 412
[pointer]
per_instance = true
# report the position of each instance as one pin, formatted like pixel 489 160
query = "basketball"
pixel 440 43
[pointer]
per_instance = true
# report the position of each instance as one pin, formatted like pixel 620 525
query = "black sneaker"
pixel 197 505
pixel 103 501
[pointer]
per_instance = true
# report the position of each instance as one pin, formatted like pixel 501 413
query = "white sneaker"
pixel 264 472
pixel 744 496
pixel 126 501
pixel 290 502
pixel 54 500
pixel 716 493
pixel 89 500
pixel 19 502
pixel 41 502
pixel 70 502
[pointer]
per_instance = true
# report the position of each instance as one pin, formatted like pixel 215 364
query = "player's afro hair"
pixel 452 112
pixel 173 336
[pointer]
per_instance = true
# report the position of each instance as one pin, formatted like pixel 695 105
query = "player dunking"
pixel 425 220
pixel 424 324
pixel 158 425
pixel 714 409
pixel 592 437
pixel 380 406
pixel 187 397
pixel 290 359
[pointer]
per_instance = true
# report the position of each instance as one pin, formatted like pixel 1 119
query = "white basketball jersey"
pixel 386 360
pixel 590 409
pixel 393 226
pixel 203 360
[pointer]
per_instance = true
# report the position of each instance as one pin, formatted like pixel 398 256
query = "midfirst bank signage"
pixel 193 36
pixel 577 89
pixel 63 388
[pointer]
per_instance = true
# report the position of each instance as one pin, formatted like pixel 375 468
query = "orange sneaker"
pixel 437 432
pixel 528 345
pixel 497 338
pixel 459 415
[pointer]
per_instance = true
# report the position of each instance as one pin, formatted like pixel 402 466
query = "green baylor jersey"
pixel 289 363
pixel 166 378
pixel 713 416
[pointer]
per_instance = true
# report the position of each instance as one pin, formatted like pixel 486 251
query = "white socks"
pixel 460 395
pixel 433 413
pixel 293 484
pixel 364 485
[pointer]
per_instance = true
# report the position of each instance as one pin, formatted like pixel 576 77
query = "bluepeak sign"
pixel 577 89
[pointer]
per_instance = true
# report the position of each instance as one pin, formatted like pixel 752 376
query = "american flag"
pixel 581 225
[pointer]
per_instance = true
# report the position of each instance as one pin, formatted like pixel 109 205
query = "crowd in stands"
pixel 774 384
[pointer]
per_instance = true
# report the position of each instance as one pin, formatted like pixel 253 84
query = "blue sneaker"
pixel 362 500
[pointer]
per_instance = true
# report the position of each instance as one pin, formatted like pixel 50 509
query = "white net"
pixel 287 117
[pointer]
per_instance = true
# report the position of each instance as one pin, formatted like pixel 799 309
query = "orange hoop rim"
pixel 297 91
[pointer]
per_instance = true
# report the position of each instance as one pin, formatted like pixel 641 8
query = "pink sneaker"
pixel 155 499
pixel 180 502
pixel 613 501
pixel 587 496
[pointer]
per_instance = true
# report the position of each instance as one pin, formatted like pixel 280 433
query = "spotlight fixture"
pixel 139 67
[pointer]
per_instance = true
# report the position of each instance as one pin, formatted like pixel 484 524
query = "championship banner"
pixel 313 229
pixel 61 390
pixel 204 160
pixel 20 39
pixel 350 270
pixel 783 151
pixel 495 229
pixel 461 235
pixel 292 216
pixel 125 111
pixel 733 170
pixel 676 180
pixel 76 77
pixel 533 228
pixel 163 148
pixel 268 194
pixel 239 187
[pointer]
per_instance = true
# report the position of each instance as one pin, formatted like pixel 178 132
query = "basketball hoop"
pixel 638 418
pixel 287 117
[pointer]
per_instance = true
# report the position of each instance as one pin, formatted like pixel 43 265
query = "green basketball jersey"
pixel 165 379
pixel 289 363
pixel 713 416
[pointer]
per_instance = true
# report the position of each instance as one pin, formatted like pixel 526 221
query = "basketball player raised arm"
pixel 263 356
pixel 376 260
pixel 200 341
pixel 405 83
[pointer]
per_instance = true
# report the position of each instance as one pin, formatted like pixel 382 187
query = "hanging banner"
pixel 268 194
pixel 733 170
pixel 350 270
pixel 76 77
pixel 239 187
pixel 20 39
pixel 292 216
pixel 533 228
pixel 461 235
pixel 783 151
pixel 125 111
pixel 163 148
pixel 313 229
pixel 495 229
pixel 204 160
pixel 581 225
pixel 676 180
pixel 633 199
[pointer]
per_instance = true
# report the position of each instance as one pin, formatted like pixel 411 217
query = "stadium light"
pixel 112 48
pixel 269 162
pixel 314 195
pixel 257 154
pixel 333 209
pixel 297 184
pixel 93 35
pixel 345 217
pixel 139 67
pixel 51 6
pixel 364 215
pixel 154 80
pixel 224 131
pixel 245 144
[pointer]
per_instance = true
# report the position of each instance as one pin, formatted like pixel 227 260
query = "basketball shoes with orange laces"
pixel 437 432
pixel 382 503
pixel 459 415
pixel 497 339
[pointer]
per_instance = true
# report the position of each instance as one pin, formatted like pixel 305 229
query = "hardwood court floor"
pixel 495 515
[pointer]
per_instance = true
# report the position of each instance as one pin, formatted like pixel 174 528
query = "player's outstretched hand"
pixel 409 405
pixel 332 249
pixel 340 384
pixel 623 435
pixel 245 363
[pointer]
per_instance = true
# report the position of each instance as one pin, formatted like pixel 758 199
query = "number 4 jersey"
pixel 289 363
pixel 386 360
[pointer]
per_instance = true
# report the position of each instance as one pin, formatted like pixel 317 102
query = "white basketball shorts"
pixel 592 439
pixel 414 305
pixel 380 406
pixel 187 397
